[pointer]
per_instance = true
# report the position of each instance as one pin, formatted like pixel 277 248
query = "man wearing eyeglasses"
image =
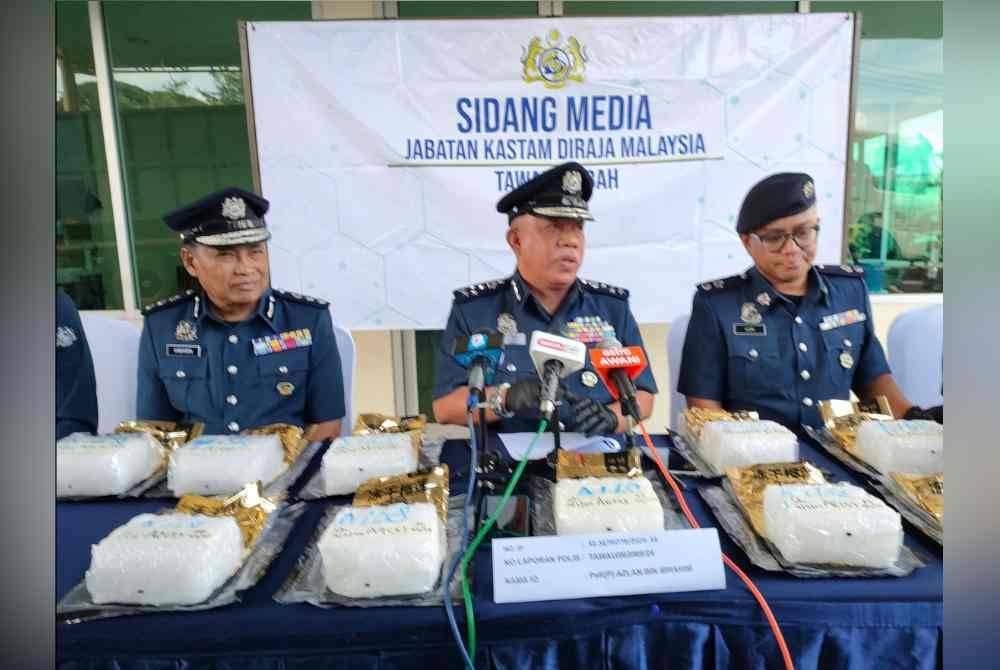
pixel 785 334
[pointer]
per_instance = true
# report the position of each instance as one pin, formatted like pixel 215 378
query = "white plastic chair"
pixel 348 367
pixel 675 348
pixel 915 346
pixel 114 346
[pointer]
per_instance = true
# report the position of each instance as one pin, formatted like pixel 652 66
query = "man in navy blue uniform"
pixel 237 354
pixel 76 385
pixel 546 216
pixel 785 334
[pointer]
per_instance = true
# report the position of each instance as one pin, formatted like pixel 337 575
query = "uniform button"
pixel 752 353
pixel 847 343
pixel 808 402
pixel 511 367
pixel 233 427
pixel 232 369
pixel 283 369
pixel 234 339
pixel 231 399
pixel 803 347
pixel 180 374
pixel 805 375
pixel 798 320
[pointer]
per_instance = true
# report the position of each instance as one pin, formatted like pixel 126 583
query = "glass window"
pixel 179 97
pixel 86 255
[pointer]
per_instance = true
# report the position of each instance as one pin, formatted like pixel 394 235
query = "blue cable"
pixel 466 515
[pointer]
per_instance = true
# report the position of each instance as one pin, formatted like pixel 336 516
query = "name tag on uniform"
pixel 831 321
pixel 184 350
pixel 290 339
pixel 749 329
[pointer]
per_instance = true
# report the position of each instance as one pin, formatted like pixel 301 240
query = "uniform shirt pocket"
pixel 283 375
pixel 843 349
pixel 754 367
pixel 185 378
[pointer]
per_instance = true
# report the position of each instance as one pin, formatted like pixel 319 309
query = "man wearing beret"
pixel 785 334
pixel 545 231
pixel 237 354
pixel 76 384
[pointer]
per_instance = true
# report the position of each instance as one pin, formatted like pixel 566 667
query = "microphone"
pixel 554 357
pixel 481 354
pixel 617 366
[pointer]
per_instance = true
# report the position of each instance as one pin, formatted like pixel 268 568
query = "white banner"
pixel 384 145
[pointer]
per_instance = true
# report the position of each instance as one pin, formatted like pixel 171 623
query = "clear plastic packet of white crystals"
pixel 177 560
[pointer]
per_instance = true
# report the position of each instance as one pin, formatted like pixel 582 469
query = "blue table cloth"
pixel 827 623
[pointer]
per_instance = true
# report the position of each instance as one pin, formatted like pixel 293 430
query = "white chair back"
pixel 675 347
pixel 348 366
pixel 114 346
pixel 915 346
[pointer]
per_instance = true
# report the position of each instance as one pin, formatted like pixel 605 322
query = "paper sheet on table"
pixel 517 444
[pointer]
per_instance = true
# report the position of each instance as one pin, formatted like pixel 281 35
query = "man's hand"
pixel 591 417
pixel 524 397
pixel 928 414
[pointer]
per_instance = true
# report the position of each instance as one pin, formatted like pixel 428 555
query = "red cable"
pixel 786 656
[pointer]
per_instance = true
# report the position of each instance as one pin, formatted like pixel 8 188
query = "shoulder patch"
pixel 722 282
pixel 168 302
pixel 855 271
pixel 301 299
pixel 472 291
pixel 605 289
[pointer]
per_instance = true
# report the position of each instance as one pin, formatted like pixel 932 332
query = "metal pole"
pixel 112 155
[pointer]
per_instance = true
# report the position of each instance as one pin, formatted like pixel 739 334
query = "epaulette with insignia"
pixel 842 270
pixel 491 287
pixel 721 282
pixel 301 299
pixel 167 302
pixel 606 289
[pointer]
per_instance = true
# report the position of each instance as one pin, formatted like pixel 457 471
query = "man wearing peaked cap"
pixel 237 354
pixel 785 334
pixel 545 231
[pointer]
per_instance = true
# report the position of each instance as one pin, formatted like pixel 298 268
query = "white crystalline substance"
pixel 384 550
pixel 606 505
pixel 96 465
pixel 914 447
pixel 833 524
pixel 164 559
pixel 350 461
pixel 224 464
pixel 739 444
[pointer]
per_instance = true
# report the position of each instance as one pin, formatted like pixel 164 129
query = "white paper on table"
pixel 517 444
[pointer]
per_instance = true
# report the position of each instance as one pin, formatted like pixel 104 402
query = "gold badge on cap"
pixel 846 360
pixel 572 182
pixel 589 379
pixel 749 313
pixel 808 189
pixel 234 208
pixel 185 331
pixel 285 388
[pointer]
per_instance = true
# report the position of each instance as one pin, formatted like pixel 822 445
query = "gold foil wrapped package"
pixel 748 485
pixel 380 423
pixel 573 465
pixel 430 486
pixel 292 437
pixel 842 418
pixel 248 508
pixel 169 433
pixel 926 491
pixel 695 418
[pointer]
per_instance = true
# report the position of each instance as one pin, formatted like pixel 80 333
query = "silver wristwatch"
pixel 496 401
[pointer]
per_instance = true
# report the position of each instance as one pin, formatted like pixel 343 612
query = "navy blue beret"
pixel 775 197
pixel 561 192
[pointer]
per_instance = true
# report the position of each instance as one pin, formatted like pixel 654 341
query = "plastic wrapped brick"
pixel 98 465
pixel 164 559
pixel 914 447
pixel 738 444
pixel 352 460
pixel 383 550
pixel 831 524
pixel 224 464
pixel 606 505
